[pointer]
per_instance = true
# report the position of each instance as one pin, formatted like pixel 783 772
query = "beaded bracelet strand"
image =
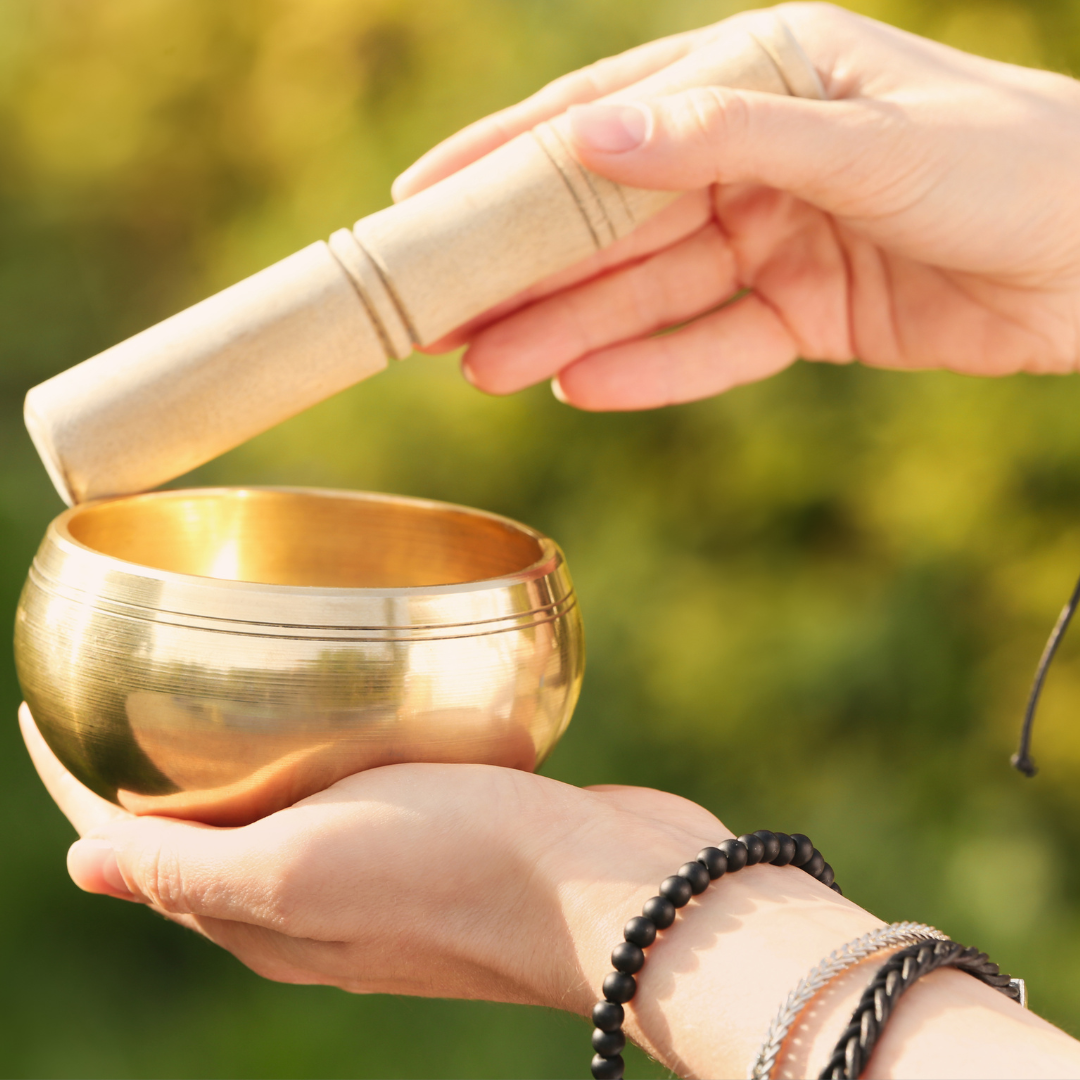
pixel 658 913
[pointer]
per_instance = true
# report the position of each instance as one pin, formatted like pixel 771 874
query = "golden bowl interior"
pixel 278 537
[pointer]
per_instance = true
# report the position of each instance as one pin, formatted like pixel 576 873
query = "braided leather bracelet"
pixel 857 1043
pixel 838 961
pixel 658 913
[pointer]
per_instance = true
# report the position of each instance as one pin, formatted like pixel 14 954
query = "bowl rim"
pixel 549 561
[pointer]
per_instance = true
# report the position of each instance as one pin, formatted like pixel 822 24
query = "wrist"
pixel 717 983
pixel 713 981
pixel 602 867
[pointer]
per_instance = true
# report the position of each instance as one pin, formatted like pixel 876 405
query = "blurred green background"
pixel 813 604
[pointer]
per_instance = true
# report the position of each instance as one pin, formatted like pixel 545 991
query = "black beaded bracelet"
pixel 893 978
pixel 658 913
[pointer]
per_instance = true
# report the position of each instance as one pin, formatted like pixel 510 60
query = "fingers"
pixel 822 151
pixel 359 968
pixel 85 810
pixel 276 956
pixel 587 84
pixel 670 287
pixel 674 223
pixel 655 69
pixel 91 861
pixel 643 69
pixel 741 343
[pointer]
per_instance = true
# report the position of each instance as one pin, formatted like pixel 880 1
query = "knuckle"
pixel 718 119
pixel 282 900
pixel 592 80
pixel 800 11
pixel 159 876
pixel 272 960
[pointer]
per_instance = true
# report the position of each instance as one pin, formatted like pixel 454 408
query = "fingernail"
pixel 467 372
pixel 558 391
pixel 611 129
pixel 401 188
pixel 93 867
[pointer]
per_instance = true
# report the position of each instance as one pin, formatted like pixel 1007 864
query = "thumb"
pixel 93 866
pixel 179 867
pixel 819 150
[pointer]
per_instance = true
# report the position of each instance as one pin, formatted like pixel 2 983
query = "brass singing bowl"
pixel 218 654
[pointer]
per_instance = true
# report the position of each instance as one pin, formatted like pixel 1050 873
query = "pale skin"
pixel 478 882
pixel 926 216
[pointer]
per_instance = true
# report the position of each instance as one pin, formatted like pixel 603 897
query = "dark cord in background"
pixel 1022 758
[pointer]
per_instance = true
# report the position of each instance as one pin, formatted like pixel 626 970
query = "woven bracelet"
pixel 857 1043
pixel 838 961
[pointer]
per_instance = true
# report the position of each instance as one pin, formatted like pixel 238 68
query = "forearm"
pixel 713 981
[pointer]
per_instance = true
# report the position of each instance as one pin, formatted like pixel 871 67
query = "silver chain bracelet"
pixel 903 933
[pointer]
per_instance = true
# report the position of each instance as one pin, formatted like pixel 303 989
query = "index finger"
pixel 85 810
pixel 587 84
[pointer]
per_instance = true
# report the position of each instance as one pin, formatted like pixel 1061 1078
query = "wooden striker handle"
pixel 530 209
pixel 226 369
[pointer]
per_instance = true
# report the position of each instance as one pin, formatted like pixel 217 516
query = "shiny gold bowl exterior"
pixel 218 654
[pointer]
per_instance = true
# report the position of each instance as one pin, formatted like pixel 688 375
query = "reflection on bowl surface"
pixel 218 654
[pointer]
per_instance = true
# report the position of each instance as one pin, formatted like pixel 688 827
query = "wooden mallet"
pixel 226 369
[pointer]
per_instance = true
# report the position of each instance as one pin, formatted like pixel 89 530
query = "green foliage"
pixel 814 604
